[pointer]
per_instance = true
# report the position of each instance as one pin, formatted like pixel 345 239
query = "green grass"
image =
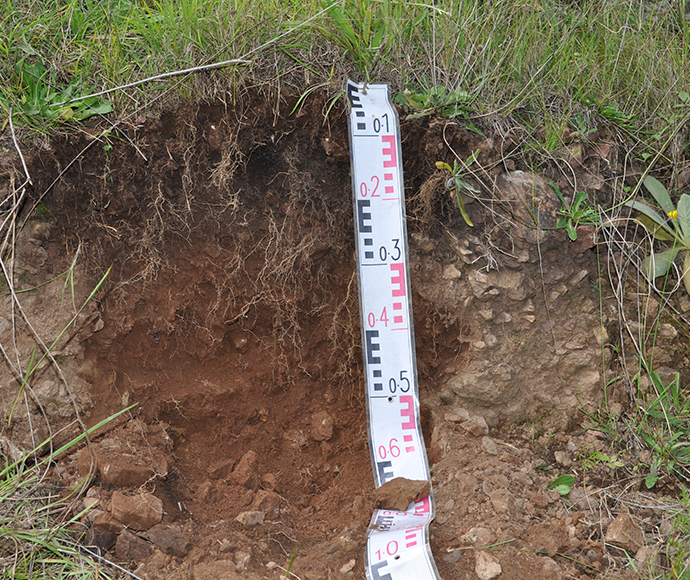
pixel 39 525
pixel 540 63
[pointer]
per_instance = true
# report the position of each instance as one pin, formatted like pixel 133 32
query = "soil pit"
pixel 230 317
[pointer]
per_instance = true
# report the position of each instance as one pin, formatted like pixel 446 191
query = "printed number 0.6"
pixel 393 449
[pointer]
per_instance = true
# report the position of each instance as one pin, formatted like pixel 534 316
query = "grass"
pixel 539 63
pixel 39 525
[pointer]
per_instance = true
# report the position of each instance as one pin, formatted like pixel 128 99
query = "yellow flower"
pixel 673 214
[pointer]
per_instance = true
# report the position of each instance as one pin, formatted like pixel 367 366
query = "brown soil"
pixel 230 317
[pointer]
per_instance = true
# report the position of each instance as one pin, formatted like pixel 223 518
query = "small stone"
pixel 245 470
pixel 267 502
pixel 458 416
pixel 667 331
pixel 454 557
pixel 467 483
pixel 251 518
pixel 487 314
pixel 642 555
pixel 503 502
pixel 348 567
pixel 539 499
pixel 124 470
pixel 487 566
pixel 242 558
pixel 138 512
pixel 489 445
pixel 169 539
pixel 479 537
pixel 87 463
pixel 104 521
pixel 269 482
pixel 321 426
pixel 208 492
pixel 476 426
pixel 581 501
pixel 399 493
pixel 89 502
pixel 221 469
pixel 450 272
pixel 550 568
pixel 625 533
pixel 563 458
pixel 131 548
pixel 104 541
pixel 577 278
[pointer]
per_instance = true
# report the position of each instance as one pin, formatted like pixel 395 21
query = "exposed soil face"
pixel 230 317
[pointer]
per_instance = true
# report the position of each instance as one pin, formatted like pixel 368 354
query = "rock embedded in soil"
pixel 477 426
pixel 139 512
pixel 503 502
pixel 124 470
pixel 624 533
pixel 170 539
pixel 222 469
pixel 104 521
pixel 345 568
pixel 321 426
pixel 267 502
pixel 251 518
pixel 479 537
pixel 399 493
pixel 467 483
pixel 245 471
pixel 131 548
pixel 486 566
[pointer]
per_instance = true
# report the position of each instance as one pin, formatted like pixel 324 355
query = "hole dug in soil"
pixel 230 317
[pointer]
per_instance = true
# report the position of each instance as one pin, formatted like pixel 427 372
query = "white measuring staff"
pixel 397 542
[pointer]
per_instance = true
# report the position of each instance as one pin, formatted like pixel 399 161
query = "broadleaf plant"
pixel 673 225
pixel 458 184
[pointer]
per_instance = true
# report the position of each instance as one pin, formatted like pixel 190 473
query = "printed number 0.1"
pixel 377 123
